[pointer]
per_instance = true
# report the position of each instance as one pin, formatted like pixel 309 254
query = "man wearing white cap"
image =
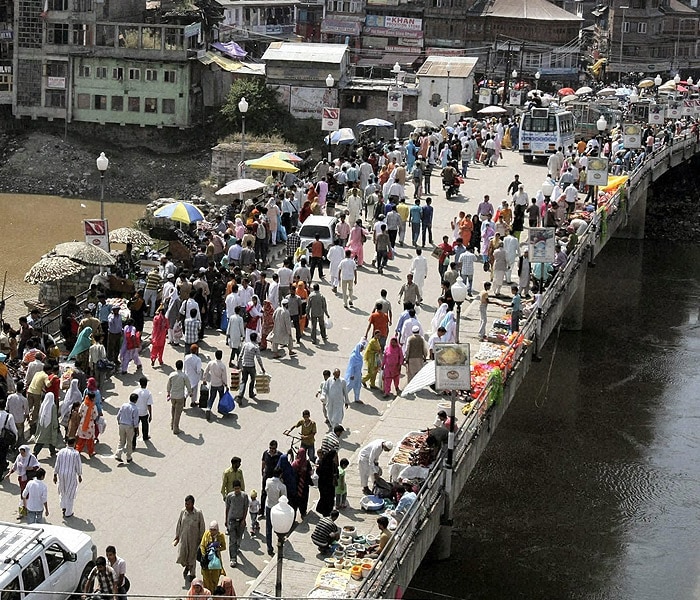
pixel 368 461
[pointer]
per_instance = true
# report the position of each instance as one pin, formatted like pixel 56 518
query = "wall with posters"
pixel 434 89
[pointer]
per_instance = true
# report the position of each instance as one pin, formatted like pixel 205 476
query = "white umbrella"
pixel 606 92
pixel 342 136
pixel 646 83
pixel 421 380
pixel 582 91
pixel 129 235
pixel 420 123
pixel 240 186
pixel 84 253
pixel 376 123
pixel 492 110
pixel 568 98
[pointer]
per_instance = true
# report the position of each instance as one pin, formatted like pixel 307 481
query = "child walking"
pixel 341 489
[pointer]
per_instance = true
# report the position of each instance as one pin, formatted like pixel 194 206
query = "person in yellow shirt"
pixel 230 475
pixel 35 393
pixel 403 209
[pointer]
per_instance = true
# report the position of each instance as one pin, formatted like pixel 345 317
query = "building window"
pixel 84 101
pixel 5 83
pixel 168 106
pixel 626 26
pixel 56 69
pixel 170 76
pixel 151 75
pixel 641 27
pixel 55 98
pixel 174 39
pixel 101 72
pixel 84 71
pixel 82 5
pixel 135 74
pixel 151 38
pixel 100 102
pixel 57 33
pixel 150 105
pixel 117 103
pixel 118 73
pixel 134 104
pixel 57 4
pixel 128 36
pixel 104 35
pixel 80 34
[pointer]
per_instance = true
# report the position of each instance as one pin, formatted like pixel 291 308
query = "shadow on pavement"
pixel 78 523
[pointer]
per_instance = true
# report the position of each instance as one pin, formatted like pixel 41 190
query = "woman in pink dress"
pixel 391 366
pixel 355 242
pixel 158 335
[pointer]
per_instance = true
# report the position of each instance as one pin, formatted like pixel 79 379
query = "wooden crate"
pixel 235 379
pixel 262 383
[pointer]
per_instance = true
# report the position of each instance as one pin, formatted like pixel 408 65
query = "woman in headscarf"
pixel 82 344
pixel 302 470
pixel 327 472
pixel 254 322
pixel 391 366
pixel 131 346
pixel 439 315
pixel 373 359
pixel 358 236
pixel 268 323
pixel 72 395
pixel 411 153
pixel 47 427
pixel 92 387
pixel 225 588
pixel 305 211
pixel 239 231
pixel 212 546
pixel 488 230
pixel 25 464
pixel 449 322
pixel 303 292
pixel 172 313
pixel 197 589
pixel 158 334
pixel 289 478
pixel 353 372
pixel 87 429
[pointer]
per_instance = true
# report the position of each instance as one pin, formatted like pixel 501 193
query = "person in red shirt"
pixel 317 252
pixel 54 385
pixel 378 321
pixel 446 251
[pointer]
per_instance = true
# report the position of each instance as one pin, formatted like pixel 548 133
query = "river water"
pixel 590 487
pixel 32 225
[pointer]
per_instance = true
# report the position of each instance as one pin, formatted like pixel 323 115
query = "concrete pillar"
pixel 572 319
pixel 636 220
pixel 442 544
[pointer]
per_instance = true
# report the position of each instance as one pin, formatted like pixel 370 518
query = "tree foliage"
pixel 265 113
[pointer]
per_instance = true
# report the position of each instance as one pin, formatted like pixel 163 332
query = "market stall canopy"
pixel 52 268
pixel 282 155
pixel 271 164
pixel 606 92
pixel 376 123
pixel 566 91
pixel 342 136
pixel 493 110
pixel 646 83
pixel 129 235
pixel 421 380
pixel 240 186
pixel 183 212
pixel 456 109
pixel 569 98
pixel 421 123
pixel 85 253
pixel 582 91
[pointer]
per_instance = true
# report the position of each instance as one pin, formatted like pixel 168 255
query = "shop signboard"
pixel 97 233
pixel 452 367
pixel 597 171
pixel 514 97
pixel 485 96
pixel 395 100
pixel 541 243
pixel 688 107
pixel 656 114
pixel 673 110
pixel 632 135
pixel 330 120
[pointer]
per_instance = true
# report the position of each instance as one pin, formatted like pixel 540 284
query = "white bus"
pixel 543 130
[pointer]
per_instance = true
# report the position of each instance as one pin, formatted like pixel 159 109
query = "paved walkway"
pixel 135 506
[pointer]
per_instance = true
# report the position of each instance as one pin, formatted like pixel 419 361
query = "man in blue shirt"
pixel 427 220
pixel 415 216
pixel 128 421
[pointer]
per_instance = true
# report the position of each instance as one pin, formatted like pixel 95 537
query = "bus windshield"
pixel 539 123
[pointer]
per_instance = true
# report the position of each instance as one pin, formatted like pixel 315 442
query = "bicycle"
pixel 294 445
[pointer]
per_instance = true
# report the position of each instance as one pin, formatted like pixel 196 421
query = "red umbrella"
pixel 567 91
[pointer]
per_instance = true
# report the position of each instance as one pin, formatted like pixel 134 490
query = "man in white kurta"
pixel 419 269
pixel 193 370
pixel 68 473
pixel 368 461
pixel 334 395
pixel 336 253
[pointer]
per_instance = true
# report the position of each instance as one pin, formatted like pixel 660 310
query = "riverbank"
pixel 46 163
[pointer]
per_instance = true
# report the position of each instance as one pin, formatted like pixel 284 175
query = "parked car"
pixel 38 558
pixel 321 225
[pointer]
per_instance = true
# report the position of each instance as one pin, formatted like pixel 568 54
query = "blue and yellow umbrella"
pixel 183 212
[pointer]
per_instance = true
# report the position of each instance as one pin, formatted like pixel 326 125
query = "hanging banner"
pixel 656 114
pixel 514 97
pixel 597 171
pixel 673 110
pixel 541 243
pixel 395 100
pixel 485 96
pixel 330 119
pixel 452 368
pixel 632 136
pixel 688 108
pixel 97 233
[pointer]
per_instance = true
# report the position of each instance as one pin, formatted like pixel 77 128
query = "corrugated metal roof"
pixel 539 10
pixel 318 53
pixel 436 66
pixel 231 65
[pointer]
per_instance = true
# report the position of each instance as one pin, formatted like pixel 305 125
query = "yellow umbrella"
pixel 271 164
pixel 456 109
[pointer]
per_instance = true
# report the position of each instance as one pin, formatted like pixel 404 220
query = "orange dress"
pixel 466 227
pixel 303 293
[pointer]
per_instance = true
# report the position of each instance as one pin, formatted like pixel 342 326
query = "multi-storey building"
pixel 6 50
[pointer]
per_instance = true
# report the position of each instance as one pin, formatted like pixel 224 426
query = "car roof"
pixel 318 220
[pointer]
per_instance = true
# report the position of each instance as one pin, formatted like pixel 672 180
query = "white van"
pixel 324 226
pixel 43 558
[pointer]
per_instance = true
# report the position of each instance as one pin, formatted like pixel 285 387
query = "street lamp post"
pixel 330 82
pixel 396 70
pixel 601 124
pixel 622 41
pixel 243 109
pixel 282 517
pixel 657 82
pixel 102 165
pixel 537 80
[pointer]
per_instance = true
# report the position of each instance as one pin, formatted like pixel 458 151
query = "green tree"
pixel 265 113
